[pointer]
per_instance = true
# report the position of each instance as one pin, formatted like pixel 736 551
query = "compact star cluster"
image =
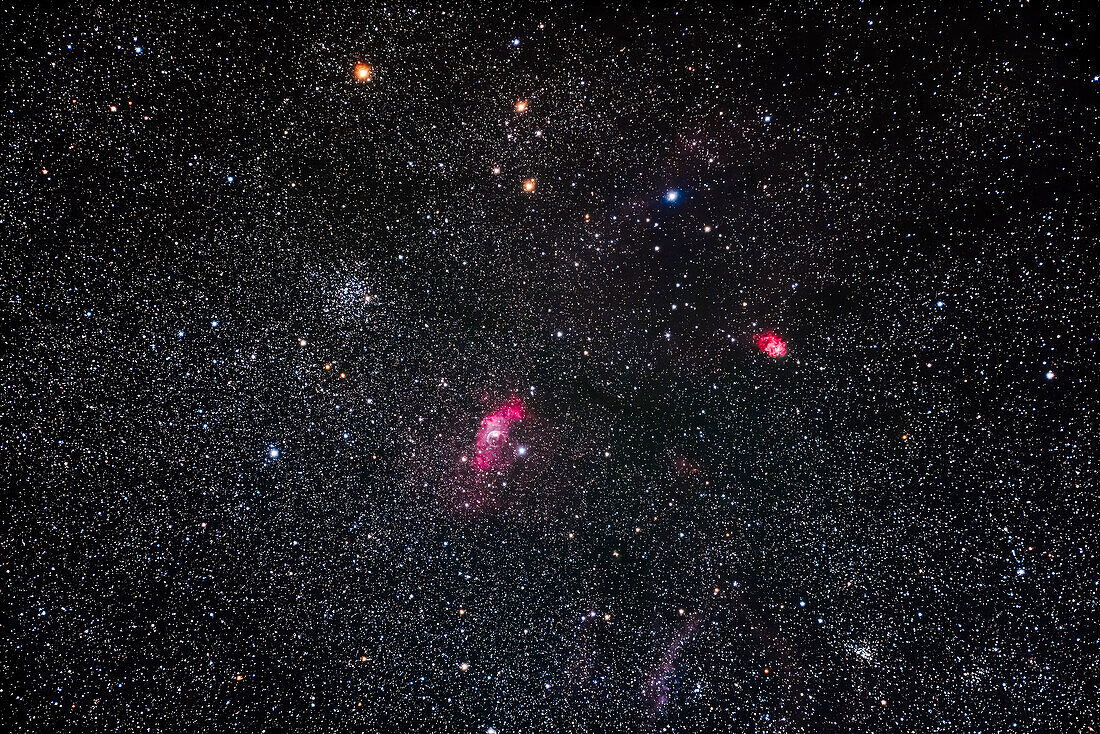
pixel 439 369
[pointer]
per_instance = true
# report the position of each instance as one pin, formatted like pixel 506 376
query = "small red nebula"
pixel 771 344
pixel 493 434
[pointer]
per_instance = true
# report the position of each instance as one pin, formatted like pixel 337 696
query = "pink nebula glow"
pixel 771 344
pixel 658 688
pixel 493 434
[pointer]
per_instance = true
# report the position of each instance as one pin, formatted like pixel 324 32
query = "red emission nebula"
pixel 492 437
pixel 771 344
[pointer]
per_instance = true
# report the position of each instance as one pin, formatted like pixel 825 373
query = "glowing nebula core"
pixel 771 344
pixel 492 437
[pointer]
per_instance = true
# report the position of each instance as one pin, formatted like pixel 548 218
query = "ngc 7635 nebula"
pixel 583 368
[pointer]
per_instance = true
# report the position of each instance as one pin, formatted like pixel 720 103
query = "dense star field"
pixel 591 369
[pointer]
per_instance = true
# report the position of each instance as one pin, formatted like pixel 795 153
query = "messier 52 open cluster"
pixel 591 368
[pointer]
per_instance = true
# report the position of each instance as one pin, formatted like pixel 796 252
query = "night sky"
pixel 588 369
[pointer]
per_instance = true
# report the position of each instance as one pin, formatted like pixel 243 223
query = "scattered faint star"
pixel 828 492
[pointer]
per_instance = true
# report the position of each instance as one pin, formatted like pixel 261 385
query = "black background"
pixel 889 529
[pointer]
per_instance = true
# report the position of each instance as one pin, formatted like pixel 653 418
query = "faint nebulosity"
pixel 578 369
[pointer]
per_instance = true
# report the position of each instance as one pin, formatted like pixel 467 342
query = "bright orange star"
pixel 521 106
pixel 362 71
pixel 529 185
